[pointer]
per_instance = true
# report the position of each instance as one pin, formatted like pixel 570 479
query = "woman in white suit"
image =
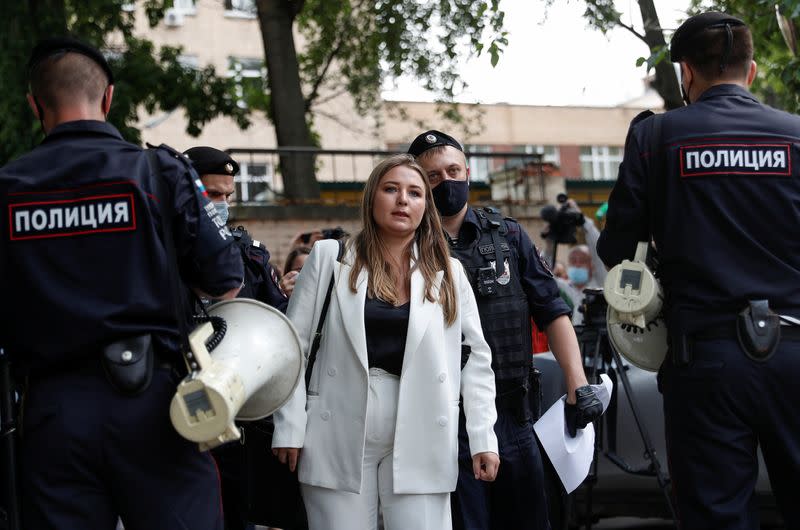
pixel 379 421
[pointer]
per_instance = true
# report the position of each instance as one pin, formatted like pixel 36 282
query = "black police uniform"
pixel 256 487
pixel 252 478
pixel 507 295
pixel 260 279
pixel 83 265
pixel 719 194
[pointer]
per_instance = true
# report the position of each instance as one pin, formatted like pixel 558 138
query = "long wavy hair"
pixel 433 252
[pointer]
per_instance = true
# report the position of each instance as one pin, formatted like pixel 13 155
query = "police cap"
pixel 430 139
pixel 56 45
pixel 684 37
pixel 210 161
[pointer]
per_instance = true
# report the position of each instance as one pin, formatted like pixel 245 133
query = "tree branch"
pixel 336 119
pixel 328 97
pixel 310 100
pixel 318 82
pixel 632 30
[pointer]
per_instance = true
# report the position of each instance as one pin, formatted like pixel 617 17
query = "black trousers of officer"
pixel 718 409
pixel 90 455
pixel 516 500
pixel 256 487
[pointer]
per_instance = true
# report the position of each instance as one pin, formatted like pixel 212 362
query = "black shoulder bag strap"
pixel 165 202
pixel 312 354
pixel 495 224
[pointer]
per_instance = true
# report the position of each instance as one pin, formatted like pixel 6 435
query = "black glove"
pixel 586 409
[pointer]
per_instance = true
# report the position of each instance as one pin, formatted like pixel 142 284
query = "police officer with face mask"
pixel 86 314
pixel 249 472
pixel 217 170
pixel 512 283
pixel 716 186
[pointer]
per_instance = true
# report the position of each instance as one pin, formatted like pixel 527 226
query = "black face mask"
pixel 450 196
pixel 685 95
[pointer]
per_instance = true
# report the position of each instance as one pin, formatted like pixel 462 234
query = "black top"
pixel 386 327
pixel 81 258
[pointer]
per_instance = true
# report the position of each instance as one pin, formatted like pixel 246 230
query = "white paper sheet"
pixel 571 457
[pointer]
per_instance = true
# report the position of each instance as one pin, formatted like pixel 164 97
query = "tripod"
pixel 598 354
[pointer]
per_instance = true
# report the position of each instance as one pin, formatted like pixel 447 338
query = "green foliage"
pixel 778 79
pixel 144 77
pixel 661 53
pixel 357 45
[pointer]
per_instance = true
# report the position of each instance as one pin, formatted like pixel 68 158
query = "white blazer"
pixel 329 422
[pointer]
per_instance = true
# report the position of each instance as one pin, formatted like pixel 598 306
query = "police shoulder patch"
pixel 543 261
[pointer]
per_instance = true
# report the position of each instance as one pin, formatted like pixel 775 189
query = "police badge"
pixel 504 278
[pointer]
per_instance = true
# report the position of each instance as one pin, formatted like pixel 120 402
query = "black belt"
pixel 91 365
pixel 728 331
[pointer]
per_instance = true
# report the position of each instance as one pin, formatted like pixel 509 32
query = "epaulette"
pixel 642 116
pixel 241 233
pixel 173 153
pixel 490 213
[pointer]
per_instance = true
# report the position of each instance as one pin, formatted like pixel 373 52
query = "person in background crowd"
pixel 379 419
pixel 294 262
pixel 585 269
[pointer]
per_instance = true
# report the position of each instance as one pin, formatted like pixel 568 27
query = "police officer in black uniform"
pixel 86 313
pixel 217 169
pixel 511 284
pixel 716 186
pixel 255 486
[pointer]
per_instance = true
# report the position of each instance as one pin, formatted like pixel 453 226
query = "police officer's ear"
pixel 34 107
pixel 687 75
pixel 751 73
pixel 105 103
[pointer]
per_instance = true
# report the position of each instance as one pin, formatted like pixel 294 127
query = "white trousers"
pixel 330 509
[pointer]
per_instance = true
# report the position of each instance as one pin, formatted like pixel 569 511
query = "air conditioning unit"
pixel 173 18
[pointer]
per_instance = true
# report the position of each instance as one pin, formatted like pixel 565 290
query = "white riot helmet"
pixel 635 326
pixel 250 374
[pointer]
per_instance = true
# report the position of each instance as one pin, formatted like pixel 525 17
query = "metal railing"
pixel 509 177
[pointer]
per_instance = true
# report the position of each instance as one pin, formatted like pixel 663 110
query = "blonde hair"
pixel 433 256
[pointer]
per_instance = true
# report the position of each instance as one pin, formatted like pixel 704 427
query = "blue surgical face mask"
pixel 222 210
pixel 578 275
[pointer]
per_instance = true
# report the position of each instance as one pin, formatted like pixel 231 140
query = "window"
pixel 190 61
pixel 240 8
pixel 185 7
pixel 250 76
pixel 254 182
pixel 600 162
pixel 550 153
pixel 479 166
